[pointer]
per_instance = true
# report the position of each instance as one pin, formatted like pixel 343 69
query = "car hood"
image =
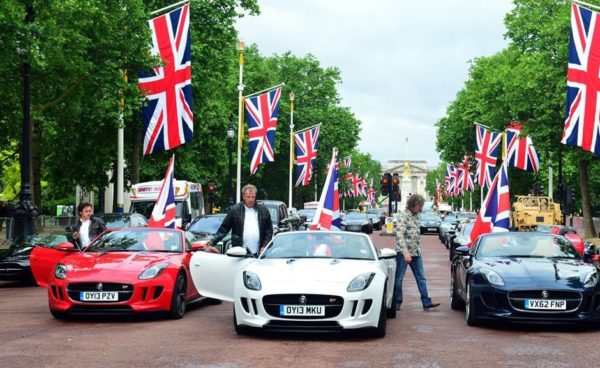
pixel 15 254
pixel 308 270
pixel 541 272
pixel 110 263
pixel 355 222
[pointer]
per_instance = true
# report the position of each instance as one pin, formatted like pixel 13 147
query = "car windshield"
pixel 48 240
pixel 466 215
pixel 318 244
pixel 115 221
pixel 429 216
pixel 538 245
pixel 450 219
pixel 466 230
pixel 308 213
pixel 138 240
pixel 356 216
pixel 207 224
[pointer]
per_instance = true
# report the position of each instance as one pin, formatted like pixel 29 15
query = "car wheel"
pixel 451 252
pixel 239 329
pixel 456 302
pixel 58 315
pixel 178 301
pixel 380 330
pixel 391 311
pixel 470 316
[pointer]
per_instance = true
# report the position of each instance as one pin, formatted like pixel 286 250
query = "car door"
pixel 43 260
pixel 216 274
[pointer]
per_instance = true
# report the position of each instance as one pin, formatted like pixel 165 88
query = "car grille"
pixel 333 304
pixel 10 269
pixel 125 290
pixel 517 299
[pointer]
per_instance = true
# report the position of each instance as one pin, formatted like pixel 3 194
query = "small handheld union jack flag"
pixel 163 214
pixel 168 117
pixel 327 216
pixel 307 143
pixel 582 124
pixel 262 121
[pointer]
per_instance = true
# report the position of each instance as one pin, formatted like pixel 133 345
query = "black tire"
pixel 58 315
pixel 178 300
pixel 239 329
pixel 451 252
pixel 470 315
pixel 379 331
pixel 391 312
pixel 456 301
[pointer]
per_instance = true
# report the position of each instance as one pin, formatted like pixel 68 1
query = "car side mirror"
pixel 387 253
pixel 65 246
pixel 237 252
pixel 462 250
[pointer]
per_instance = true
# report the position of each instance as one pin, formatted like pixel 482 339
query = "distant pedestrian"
pixel 88 227
pixel 408 239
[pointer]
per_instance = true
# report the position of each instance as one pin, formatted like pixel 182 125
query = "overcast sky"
pixel 401 62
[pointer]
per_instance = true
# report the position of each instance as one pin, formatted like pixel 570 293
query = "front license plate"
pixel 301 310
pixel 545 304
pixel 431 229
pixel 99 296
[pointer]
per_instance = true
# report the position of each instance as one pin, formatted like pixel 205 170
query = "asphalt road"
pixel 204 338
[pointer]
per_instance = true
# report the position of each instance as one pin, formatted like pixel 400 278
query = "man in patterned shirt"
pixel 408 240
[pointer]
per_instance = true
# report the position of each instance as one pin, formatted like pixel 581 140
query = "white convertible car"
pixel 304 281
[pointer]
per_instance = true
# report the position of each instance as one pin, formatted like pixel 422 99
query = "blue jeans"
pixel 416 265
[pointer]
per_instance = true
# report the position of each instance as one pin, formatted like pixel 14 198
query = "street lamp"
pixel 230 135
pixel 26 211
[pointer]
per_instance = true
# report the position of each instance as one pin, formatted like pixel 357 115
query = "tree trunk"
pixel 586 207
pixel 135 156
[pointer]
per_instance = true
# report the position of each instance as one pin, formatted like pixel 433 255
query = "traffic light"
pixel 395 183
pixel 572 193
pixel 212 191
pixel 386 182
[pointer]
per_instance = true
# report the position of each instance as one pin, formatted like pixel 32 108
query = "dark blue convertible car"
pixel 524 277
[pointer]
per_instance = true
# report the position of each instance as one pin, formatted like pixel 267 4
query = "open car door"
pixel 43 260
pixel 215 274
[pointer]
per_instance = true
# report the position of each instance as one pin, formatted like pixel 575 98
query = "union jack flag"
pixel 495 211
pixel 465 179
pixel 307 143
pixel 347 161
pixel 582 124
pixel 327 216
pixel 451 180
pixel 262 121
pixel 488 145
pixel 168 117
pixel 520 152
pixel 163 213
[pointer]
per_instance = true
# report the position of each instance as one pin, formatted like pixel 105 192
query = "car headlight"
pixel 361 282
pixel 591 279
pixel 60 271
pixel 492 277
pixel 251 281
pixel 152 272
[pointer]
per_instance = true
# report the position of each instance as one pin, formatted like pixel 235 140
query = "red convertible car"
pixel 120 272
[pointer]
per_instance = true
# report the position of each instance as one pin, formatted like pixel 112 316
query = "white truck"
pixel 189 199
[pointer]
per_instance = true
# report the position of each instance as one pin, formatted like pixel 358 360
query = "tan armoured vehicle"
pixel 530 211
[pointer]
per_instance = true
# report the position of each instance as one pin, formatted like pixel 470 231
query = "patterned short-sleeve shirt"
pixel 408 234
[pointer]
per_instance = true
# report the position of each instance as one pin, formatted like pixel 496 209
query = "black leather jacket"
pixel 96 227
pixel 234 221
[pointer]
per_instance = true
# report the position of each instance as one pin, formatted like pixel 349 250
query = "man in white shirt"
pixel 249 222
pixel 88 227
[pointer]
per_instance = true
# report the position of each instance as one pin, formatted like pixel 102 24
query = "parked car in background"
pixel 447 223
pixel 280 216
pixel 356 221
pixel 430 222
pixel 380 214
pixel 123 271
pixel 462 238
pixel 205 227
pixel 308 214
pixel 14 261
pixel 305 281
pixel 524 277
pixel 376 223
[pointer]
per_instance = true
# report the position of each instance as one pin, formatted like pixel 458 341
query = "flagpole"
pixel 169 7
pixel 264 90
pixel 120 154
pixel 291 145
pixel 596 7
pixel 309 128
pixel 240 123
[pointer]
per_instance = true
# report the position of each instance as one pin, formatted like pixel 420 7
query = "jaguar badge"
pixel 303 299
pixel 545 294
pixel 99 286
